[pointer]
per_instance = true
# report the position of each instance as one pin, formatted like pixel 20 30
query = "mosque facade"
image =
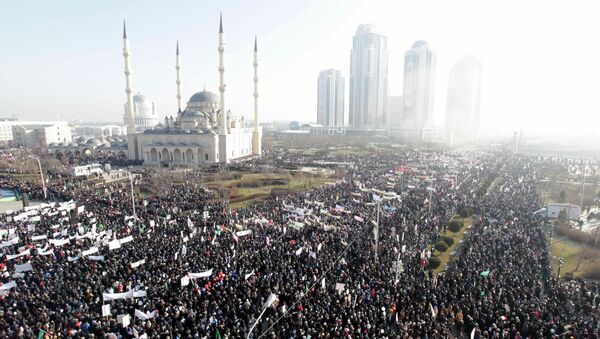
pixel 144 113
pixel 204 132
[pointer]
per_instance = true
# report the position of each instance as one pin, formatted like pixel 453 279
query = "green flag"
pixel 41 334
pixel 485 273
pixel 218 334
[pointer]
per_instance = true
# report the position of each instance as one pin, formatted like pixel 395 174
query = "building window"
pixel 206 156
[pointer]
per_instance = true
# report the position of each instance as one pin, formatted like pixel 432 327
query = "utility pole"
pixel 41 175
pixel 377 234
pixel 132 195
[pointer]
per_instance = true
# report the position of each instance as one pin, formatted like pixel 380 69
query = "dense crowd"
pixel 202 270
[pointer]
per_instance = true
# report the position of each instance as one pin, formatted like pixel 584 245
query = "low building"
pixel 31 134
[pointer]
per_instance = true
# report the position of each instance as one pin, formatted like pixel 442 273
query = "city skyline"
pixel 69 60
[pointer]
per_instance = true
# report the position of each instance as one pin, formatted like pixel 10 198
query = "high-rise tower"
pixel 330 98
pixel 419 87
pixel 463 99
pixel 368 78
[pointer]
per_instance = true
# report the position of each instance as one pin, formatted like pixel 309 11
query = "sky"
pixel 62 59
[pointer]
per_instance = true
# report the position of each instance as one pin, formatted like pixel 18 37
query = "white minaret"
pixel 177 68
pixel 131 138
pixel 223 122
pixel 256 134
pixel 128 89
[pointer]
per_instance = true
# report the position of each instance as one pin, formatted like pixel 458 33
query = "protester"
pixel 188 266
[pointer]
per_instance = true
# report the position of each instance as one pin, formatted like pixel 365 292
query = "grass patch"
pixel 257 186
pixel 571 253
pixel 456 237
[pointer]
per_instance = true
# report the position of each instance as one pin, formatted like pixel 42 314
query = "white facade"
pixel 330 98
pixel 419 86
pixel 31 134
pixel 204 133
pixel 144 113
pixel 394 111
pixel 463 100
pixel 368 79
pixel 99 130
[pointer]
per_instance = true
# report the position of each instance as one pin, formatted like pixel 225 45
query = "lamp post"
pixel 41 175
pixel 560 263
pixel 132 195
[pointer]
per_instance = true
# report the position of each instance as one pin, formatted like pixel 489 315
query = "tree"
pixel 563 197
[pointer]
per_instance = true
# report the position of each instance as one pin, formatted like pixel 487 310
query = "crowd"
pixel 313 264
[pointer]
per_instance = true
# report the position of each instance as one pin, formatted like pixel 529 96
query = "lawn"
pixel 571 253
pixel 259 186
pixel 446 256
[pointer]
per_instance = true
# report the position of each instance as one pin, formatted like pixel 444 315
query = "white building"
pixel 463 100
pixel 144 113
pixel 330 98
pixel 34 133
pixel 419 88
pixel 368 79
pixel 98 130
pixel 204 133
pixel 394 111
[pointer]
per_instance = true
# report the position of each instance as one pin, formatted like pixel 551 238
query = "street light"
pixel 41 175
pixel 132 195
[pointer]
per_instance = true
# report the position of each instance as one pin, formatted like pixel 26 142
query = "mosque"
pixel 205 132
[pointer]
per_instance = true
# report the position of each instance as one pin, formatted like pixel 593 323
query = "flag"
pixel 41 334
pixel 218 334
pixel 485 273
pixel 376 197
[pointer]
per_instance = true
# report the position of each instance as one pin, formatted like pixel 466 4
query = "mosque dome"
pixel 204 101
pixel 204 96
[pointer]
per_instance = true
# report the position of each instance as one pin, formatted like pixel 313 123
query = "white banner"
pixel 124 295
pixel 145 316
pixel 39 237
pixel 138 263
pixel 24 268
pixel 106 310
pixel 50 251
pixel 243 233
pixel 96 257
pixel 200 275
pixel 8 286
pixel 126 240
pixel 248 275
pixel 90 251
pixel 13 241
pixel 58 242
pixel 14 256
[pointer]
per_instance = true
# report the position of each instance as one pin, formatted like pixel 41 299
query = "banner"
pixel 24 268
pixel 90 251
pixel 138 263
pixel 106 310
pixel 246 276
pixel 200 275
pixel 14 256
pixel 145 316
pixel 13 241
pixel 96 257
pixel 243 233
pixel 39 237
pixel 45 253
pixel 124 295
pixel 8 286
pixel 58 242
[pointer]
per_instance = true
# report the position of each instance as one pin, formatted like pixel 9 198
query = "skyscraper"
pixel 330 98
pixel 464 98
pixel 419 88
pixel 394 111
pixel 368 78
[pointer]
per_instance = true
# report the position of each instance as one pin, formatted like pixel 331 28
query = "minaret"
pixel 256 135
pixel 131 137
pixel 223 121
pixel 177 68
pixel 128 90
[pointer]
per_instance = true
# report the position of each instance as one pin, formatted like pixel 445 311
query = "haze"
pixel 64 58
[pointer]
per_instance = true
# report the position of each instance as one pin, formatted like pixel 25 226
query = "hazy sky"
pixel 63 58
